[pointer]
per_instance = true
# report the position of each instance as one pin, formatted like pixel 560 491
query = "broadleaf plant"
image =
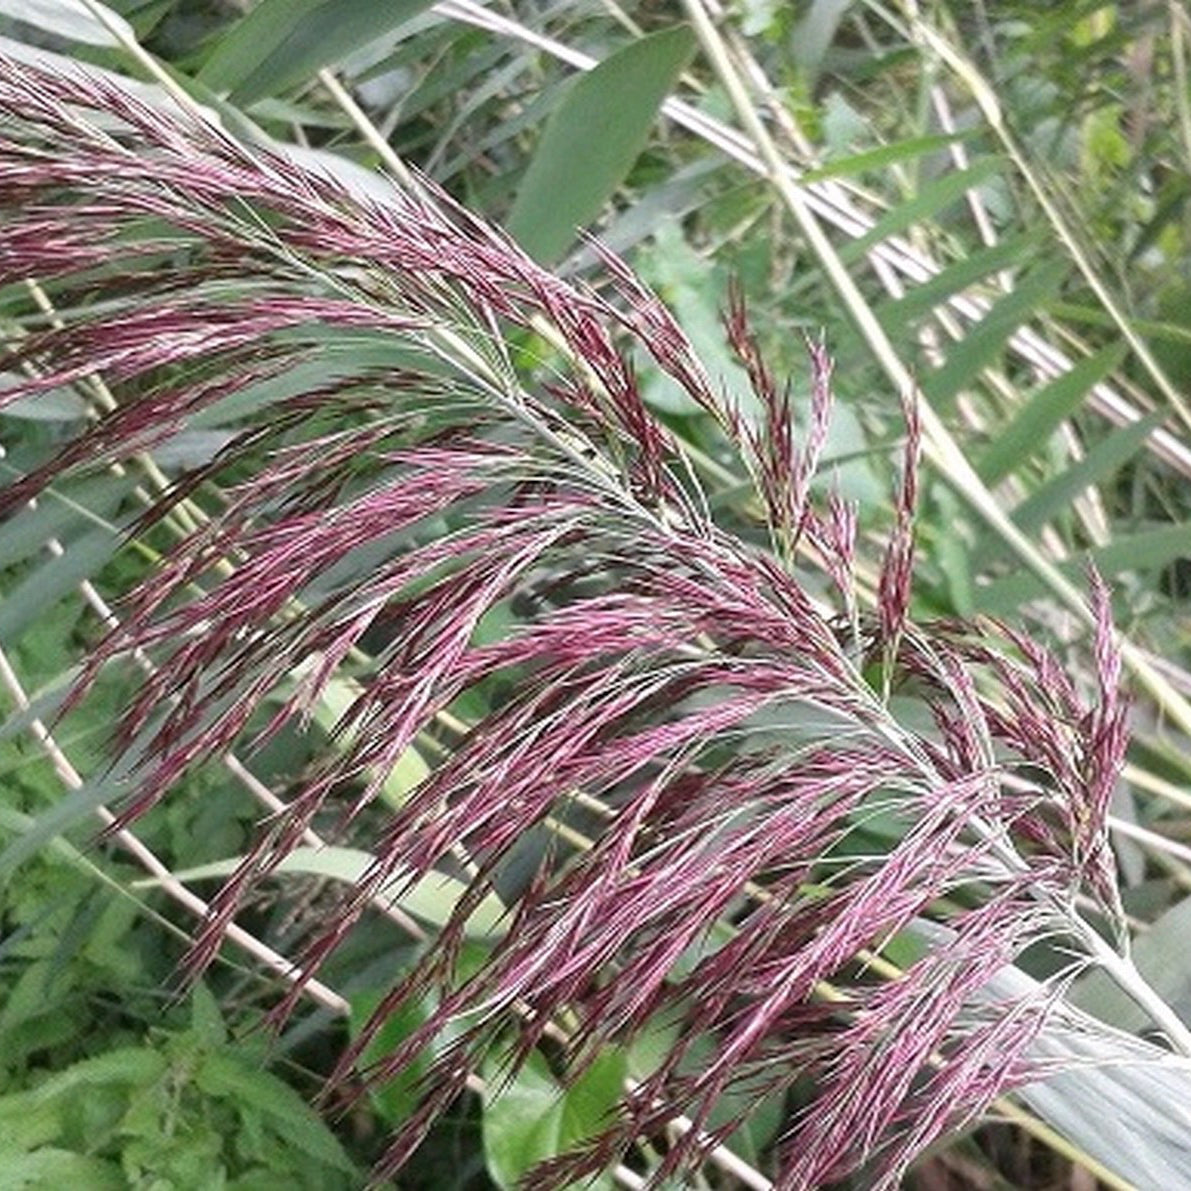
pixel 709 790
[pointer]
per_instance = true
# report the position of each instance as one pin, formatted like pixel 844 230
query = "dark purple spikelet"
pixel 697 811
pixel 893 591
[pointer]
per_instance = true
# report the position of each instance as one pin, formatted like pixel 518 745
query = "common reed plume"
pixel 693 786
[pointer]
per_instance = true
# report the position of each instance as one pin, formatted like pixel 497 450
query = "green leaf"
pixel 1133 1116
pixel 53 1167
pixel 60 510
pixel 1103 459
pixel 986 340
pixel 396 1099
pixel 134 1066
pixel 432 898
pixel 1044 411
pixel 592 139
pixel 921 299
pixel 281 43
pixel 815 33
pixel 336 699
pixel 54 405
pixel 1144 551
pixel 1125 1103
pixel 52 580
pixel 1096 316
pixel 532 1117
pixel 880 158
pixel 67 812
pixel 223 1075
pixel 930 200
pixel 206 1019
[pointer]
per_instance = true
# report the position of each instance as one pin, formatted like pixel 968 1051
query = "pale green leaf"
pixel 432 898
pixel 281 43
pixel 592 139
pixel 70 19
pixel 1163 958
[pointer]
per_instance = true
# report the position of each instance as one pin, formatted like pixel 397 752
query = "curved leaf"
pixel 592 139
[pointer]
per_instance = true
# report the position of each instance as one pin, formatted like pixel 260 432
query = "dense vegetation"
pixel 705 704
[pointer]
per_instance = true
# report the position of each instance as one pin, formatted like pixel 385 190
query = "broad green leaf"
pixel 592 139
pixel 1122 1101
pixel 1144 551
pixel 281 43
pixel 432 898
pixel 1133 1116
pixel 70 19
pixel 396 1099
pixel 336 361
pixel 934 197
pixel 1042 413
pixel 1163 958
pixel 532 1117
pixel 41 707
pixel 25 1123
pixel 206 1019
pixel 1102 460
pixel 985 341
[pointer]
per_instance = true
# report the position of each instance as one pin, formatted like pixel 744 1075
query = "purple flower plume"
pixel 695 807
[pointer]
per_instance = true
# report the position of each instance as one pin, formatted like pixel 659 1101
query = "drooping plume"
pixel 694 805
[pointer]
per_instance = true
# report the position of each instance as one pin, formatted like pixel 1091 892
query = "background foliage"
pixel 1001 192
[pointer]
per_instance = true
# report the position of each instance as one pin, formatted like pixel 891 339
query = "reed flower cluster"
pixel 707 784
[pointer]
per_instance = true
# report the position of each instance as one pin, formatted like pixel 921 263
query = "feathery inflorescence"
pixel 692 785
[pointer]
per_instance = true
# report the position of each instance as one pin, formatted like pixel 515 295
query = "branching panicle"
pixel 692 800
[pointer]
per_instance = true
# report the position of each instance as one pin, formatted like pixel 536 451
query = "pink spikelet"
pixel 893 591
pixel 648 741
